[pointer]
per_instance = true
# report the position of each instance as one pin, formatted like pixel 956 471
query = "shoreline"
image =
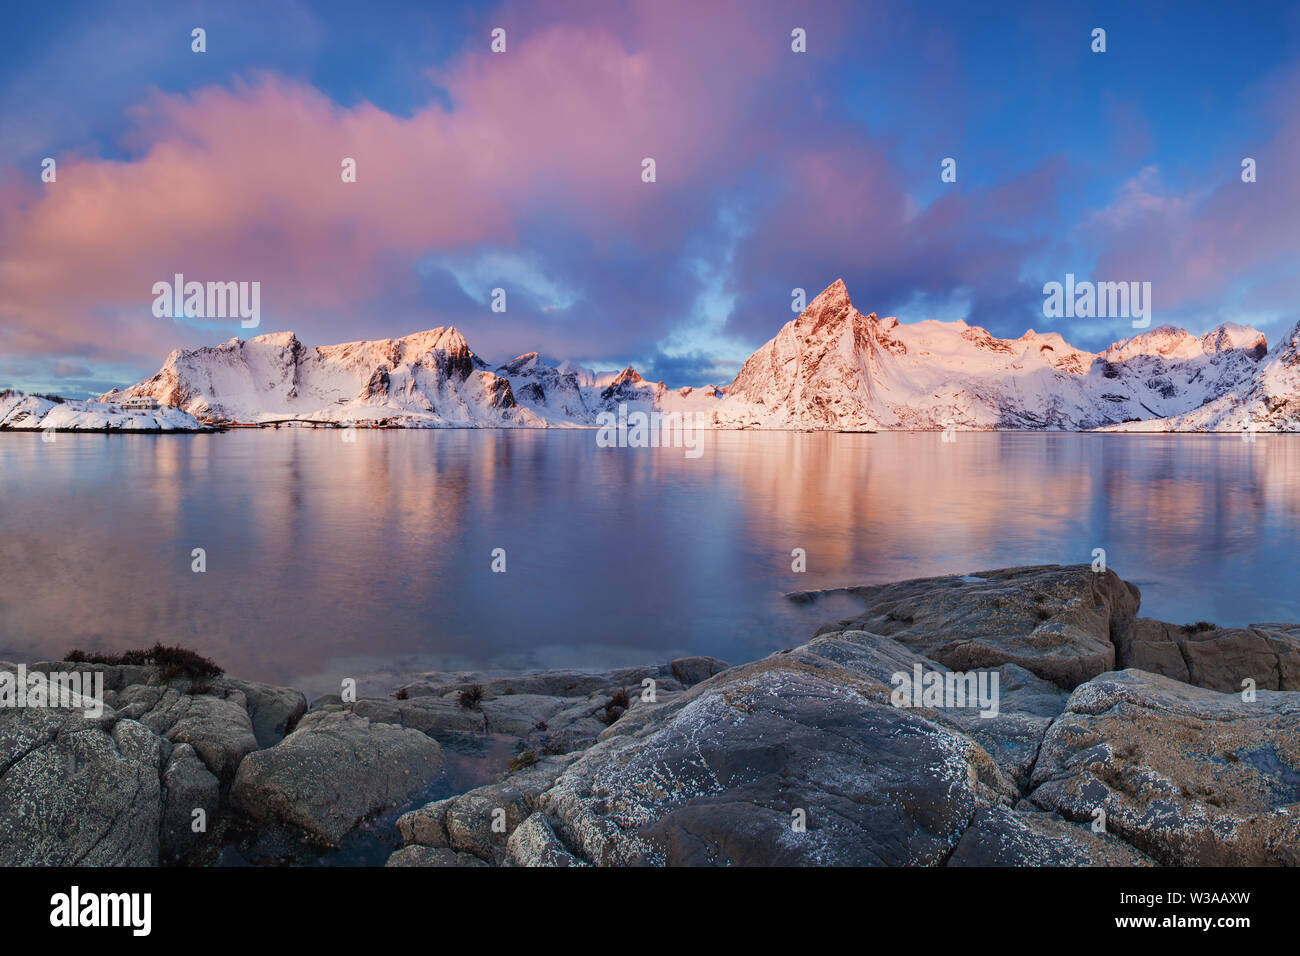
pixel 114 431
pixel 697 762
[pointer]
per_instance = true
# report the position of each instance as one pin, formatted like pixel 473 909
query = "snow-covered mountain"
pixel 427 379
pixel 831 367
pixel 1266 400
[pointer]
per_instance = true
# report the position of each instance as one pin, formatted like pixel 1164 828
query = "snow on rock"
pixel 554 393
pixel 19 412
pixel 429 379
pixel 1266 399
pixel 425 380
pixel 832 367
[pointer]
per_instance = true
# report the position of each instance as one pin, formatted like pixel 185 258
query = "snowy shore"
pixel 21 412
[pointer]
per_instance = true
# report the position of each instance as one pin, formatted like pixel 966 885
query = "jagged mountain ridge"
pixel 831 367
pixel 1268 400
pixel 430 378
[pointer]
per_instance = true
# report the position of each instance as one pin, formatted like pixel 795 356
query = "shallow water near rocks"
pixel 469 761
pixel 327 559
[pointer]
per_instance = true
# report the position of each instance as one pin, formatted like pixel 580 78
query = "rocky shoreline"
pixel 1117 740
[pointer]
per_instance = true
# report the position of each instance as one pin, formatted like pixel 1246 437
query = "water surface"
pixel 328 559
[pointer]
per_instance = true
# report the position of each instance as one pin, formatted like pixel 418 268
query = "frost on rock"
pixel 1187 775
pixel 722 778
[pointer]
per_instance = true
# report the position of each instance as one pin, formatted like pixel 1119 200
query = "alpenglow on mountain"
pixel 831 368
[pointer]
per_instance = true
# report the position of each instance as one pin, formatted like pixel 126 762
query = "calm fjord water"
pixel 326 558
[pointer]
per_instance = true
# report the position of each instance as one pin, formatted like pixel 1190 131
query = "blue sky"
pixel 521 170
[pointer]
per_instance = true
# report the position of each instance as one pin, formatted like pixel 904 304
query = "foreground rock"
pixel 683 672
pixel 794 760
pixel 998 836
pixel 545 712
pixel 1056 622
pixel 190 793
pixel 803 757
pixel 333 771
pixel 1220 658
pixel 1033 750
pixel 171 770
pixel 77 791
pixel 1187 775
pixel 272 711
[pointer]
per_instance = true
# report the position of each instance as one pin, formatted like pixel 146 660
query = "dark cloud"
pixel 676 371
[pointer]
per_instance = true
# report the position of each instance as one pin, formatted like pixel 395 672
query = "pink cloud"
pixel 240 184
pixel 243 183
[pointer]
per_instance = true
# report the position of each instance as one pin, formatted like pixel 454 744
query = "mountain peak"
pixel 1164 341
pixel 450 339
pixel 520 363
pixel 829 309
pixel 835 294
pixel 280 339
pixel 1230 335
pixel 443 339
